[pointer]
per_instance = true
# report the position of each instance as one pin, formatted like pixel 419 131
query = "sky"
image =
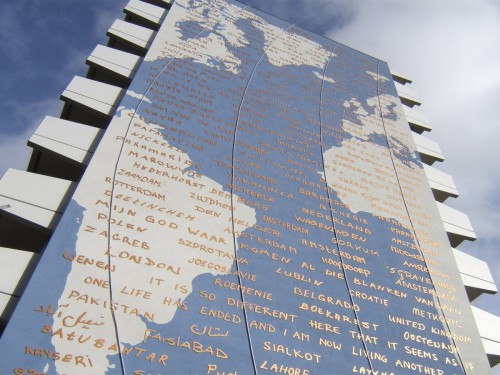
pixel 449 47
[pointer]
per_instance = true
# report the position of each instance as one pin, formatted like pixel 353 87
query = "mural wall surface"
pixel 256 206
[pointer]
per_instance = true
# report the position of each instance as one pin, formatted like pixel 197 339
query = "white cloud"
pixel 451 51
pixel 15 152
pixel 104 17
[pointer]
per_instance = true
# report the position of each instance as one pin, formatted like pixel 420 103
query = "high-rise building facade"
pixel 227 193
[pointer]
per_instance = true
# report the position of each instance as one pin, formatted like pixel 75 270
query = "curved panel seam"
pixel 231 192
pixel 419 248
pixel 331 211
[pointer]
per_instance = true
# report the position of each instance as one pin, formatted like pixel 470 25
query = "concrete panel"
pixel 408 96
pixel 417 119
pixel 98 96
pixel 36 198
pixel 401 78
pixel 427 148
pixel 70 139
pixel 134 34
pixel 455 222
pixel 441 182
pixel 13 266
pixel 147 11
pixel 475 272
pixel 489 329
pixel 119 62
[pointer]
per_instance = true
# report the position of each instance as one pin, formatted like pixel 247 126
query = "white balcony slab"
pixel 441 181
pixel 66 138
pixel 122 63
pixel 37 198
pixel 417 119
pixel 428 147
pixel 408 94
pixel 147 11
pixel 98 96
pixel 163 3
pixel 489 330
pixel 475 272
pixel 134 34
pixel 14 265
pixel 401 78
pixel 456 222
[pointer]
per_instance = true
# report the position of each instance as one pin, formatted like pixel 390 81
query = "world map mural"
pixel 256 206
